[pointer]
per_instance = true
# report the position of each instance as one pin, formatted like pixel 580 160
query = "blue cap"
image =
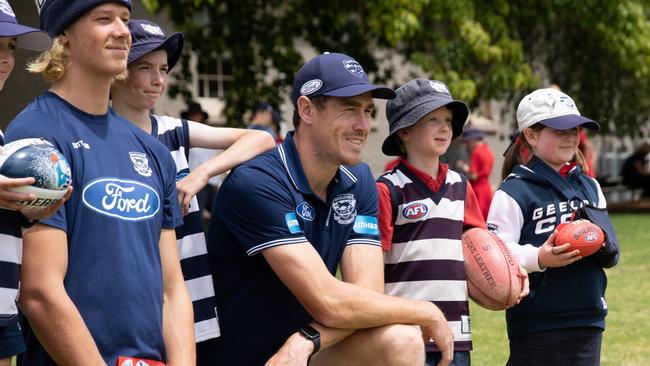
pixel 148 37
pixel 57 15
pixel 472 134
pixel 27 37
pixel 337 75
pixel 275 115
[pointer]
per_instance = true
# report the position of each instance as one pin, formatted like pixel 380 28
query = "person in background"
pixel 636 169
pixel 266 118
pixel 480 165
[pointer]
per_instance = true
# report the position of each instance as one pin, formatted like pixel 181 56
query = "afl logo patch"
pixel 415 211
pixel 305 211
pixel 354 68
pixel 310 87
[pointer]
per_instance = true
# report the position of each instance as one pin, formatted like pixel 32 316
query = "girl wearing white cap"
pixel 562 319
pixel 100 282
pixel 151 58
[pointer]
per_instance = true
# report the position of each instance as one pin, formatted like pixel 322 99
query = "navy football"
pixel 36 158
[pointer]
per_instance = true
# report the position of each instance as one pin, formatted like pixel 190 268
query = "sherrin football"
pixel 583 235
pixel 38 158
pixel 493 280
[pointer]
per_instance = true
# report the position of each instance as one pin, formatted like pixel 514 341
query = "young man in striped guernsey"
pixel 151 58
pixel 424 207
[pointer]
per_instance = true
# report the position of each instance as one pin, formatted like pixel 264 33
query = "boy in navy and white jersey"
pixel 152 57
pixel 101 276
pixel 424 207
pixel 286 220
pixel 566 308
pixel 12 216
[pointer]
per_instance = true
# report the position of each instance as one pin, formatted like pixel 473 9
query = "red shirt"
pixel 472 218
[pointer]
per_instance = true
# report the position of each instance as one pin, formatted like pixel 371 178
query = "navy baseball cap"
pixel 57 15
pixel 415 100
pixel 336 75
pixel 26 37
pixel 148 37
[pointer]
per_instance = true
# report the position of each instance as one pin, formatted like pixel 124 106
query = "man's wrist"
pixel 312 335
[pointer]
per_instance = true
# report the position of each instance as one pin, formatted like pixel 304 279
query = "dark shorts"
pixel 559 347
pixel 461 358
pixel 11 341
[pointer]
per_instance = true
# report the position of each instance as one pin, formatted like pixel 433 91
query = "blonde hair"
pixel 52 63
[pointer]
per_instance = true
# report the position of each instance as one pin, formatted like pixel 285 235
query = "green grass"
pixel 626 341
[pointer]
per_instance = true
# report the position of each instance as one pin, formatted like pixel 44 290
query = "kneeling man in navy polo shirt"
pixel 282 224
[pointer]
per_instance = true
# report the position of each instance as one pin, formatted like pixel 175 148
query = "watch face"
pixel 309 332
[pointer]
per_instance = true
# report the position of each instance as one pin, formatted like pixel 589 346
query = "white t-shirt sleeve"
pixel 506 220
pixel 602 203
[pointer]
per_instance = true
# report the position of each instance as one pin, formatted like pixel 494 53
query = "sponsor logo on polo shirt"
pixel 366 225
pixel 345 208
pixel 124 199
pixel 305 211
pixel 292 222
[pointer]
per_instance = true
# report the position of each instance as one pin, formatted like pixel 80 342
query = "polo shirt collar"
pixel 343 179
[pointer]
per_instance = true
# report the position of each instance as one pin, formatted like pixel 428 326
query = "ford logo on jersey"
pixel 415 211
pixel 121 198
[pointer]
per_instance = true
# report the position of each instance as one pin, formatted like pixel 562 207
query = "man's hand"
pixel 554 256
pixel 440 332
pixel 45 212
pixel 294 352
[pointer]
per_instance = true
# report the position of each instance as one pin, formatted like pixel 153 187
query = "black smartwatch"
pixel 313 335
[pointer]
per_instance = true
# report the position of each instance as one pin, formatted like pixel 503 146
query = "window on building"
pixel 214 75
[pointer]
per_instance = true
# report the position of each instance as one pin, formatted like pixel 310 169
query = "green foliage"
pixel 598 51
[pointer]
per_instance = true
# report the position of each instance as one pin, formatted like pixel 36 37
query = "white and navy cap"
pixel 148 37
pixel 552 108
pixel 26 37
pixel 337 75
pixel 57 15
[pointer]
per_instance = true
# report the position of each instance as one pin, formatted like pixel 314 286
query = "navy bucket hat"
pixel 336 75
pixel 148 37
pixel 26 37
pixel 57 15
pixel 416 99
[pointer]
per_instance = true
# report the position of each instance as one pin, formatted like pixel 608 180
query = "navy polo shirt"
pixel 265 203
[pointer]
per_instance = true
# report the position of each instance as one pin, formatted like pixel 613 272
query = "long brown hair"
pixel 513 154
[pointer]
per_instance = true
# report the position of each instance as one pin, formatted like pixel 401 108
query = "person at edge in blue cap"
pixel 101 282
pixel 266 118
pixel 285 221
pixel 151 58
pixel 13 216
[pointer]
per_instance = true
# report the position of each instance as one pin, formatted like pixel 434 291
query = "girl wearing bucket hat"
pixel 152 57
pixel 12 36
pixel 100 277
pixel 566 308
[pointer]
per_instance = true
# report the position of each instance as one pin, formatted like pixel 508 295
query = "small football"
pixel 582 235
pixel 36 158
pixel 493 279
